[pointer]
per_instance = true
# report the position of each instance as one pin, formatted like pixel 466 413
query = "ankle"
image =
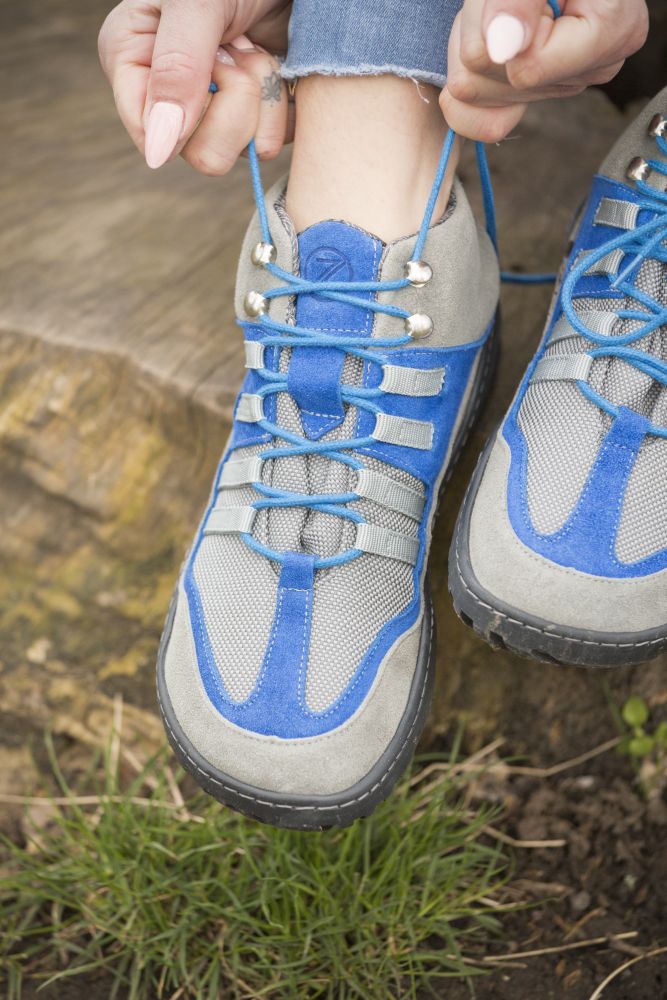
pixel 366 151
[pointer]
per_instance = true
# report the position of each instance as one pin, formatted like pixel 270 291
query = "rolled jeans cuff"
pixel 370 38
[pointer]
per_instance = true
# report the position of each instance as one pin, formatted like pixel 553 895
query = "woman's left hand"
pixel 505 54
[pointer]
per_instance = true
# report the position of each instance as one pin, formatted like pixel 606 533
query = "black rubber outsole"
pixel 316 813
pixel 505 627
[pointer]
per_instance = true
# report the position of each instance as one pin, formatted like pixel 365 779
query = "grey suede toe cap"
pixel 316 766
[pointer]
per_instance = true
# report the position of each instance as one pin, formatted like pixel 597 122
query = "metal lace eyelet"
pixel 638 169
pixel 255 304
pixel 418 272
pixel 419 326
pixel 263 254
pixel 658 126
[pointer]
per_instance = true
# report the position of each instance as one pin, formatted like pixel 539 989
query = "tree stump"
pixel 119 363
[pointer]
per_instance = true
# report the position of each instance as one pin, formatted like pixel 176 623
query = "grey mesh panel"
pixel 367 591
pixel 284 526
pixel 400 475
pixel 323 533
pixel 623 384
pixel 563 431
pixel 643 527
pixel 237 589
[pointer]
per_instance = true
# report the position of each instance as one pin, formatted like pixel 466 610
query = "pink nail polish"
pixel 243 44
pixel 223 56
pixel 163 130
pixel 504 38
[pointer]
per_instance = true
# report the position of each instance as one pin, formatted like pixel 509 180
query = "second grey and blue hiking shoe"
pixel 296 666
pixel 560 551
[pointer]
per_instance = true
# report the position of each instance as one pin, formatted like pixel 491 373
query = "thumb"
pixel 186 42
pixel 510 26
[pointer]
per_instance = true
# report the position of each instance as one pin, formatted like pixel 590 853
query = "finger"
pixel 272 121
pixel 467 40
pixel 577 47
pixel 125 46
pixel 229 123
pixel 494 31
pixel 183 57
pixel 510 26
pixel 480 124
pixel 478 89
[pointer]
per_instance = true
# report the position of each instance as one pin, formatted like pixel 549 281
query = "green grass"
pixel 197 902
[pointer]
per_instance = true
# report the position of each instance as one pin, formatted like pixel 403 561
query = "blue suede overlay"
pixel 329 251
pixel 587 540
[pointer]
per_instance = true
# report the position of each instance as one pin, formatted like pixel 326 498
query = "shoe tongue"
pixel 336 251
pixel 329 252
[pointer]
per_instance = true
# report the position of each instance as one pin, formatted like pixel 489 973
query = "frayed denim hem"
pixel 293 72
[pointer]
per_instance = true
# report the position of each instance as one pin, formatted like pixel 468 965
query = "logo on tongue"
pixel 327 264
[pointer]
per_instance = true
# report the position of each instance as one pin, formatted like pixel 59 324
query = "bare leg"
pixel 366 151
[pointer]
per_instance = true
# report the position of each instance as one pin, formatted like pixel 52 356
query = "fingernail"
pixel 504 38
pixel 243 44
pixel 163 130
pixel 223 56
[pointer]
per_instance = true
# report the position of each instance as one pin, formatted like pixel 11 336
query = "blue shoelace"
pixel 282 335
pixel 645 242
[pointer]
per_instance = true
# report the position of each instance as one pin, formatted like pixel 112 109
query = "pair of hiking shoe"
pixel 297 662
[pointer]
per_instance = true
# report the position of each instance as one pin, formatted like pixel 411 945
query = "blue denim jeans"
pixel 369 37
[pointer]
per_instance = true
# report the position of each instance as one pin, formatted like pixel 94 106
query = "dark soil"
pixel 609 878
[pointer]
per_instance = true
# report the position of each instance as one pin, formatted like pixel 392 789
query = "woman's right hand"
pixel 160 57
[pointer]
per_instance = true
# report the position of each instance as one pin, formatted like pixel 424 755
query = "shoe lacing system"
pixel 645 242
pixel 284 335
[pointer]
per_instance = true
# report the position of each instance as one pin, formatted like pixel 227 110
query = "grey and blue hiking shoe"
pixel 560 550
pixel 296 666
